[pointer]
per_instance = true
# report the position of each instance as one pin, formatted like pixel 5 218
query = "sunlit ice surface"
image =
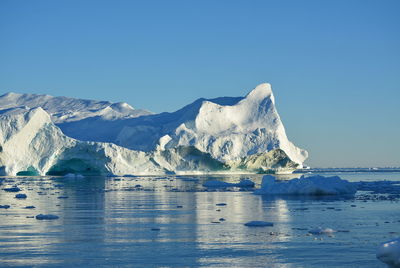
pixel 175 222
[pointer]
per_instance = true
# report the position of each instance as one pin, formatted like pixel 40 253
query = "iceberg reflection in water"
pixel 173 221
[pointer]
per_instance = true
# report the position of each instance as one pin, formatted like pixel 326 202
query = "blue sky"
pixel 334 65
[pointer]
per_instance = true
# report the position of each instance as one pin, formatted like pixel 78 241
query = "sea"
pixel 173 221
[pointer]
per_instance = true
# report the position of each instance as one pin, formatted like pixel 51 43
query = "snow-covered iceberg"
pixel 41 134
pixel 313 185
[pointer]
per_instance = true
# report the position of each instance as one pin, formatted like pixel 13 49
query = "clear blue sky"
pixel 334 65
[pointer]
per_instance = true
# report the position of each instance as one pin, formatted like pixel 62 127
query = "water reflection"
pixel 173 221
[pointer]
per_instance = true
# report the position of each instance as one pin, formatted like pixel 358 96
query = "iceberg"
pixel 313 185
pixel 45 135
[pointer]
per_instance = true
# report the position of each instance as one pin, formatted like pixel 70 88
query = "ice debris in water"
pixel 313 185
pixel 258 224
pixel 20 196
pixel 46 217
pixel 12 189
pixel 389 253
pixel 74 176
pixel 320 230
pixel 246 183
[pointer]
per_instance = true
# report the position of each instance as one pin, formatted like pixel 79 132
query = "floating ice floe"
pixel 73 176
pixel 389 253
pixel 222 184
pixel 46 217
pixel 20 196
pixel 320 230
pixel 258 224
pixel 12 189
pixel 313 185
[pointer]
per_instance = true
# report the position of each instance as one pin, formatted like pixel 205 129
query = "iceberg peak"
pixel 261 92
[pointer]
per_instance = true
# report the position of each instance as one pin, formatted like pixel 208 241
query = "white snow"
pixel 64 109
pixel 258 224
pixel 313 185
pixel 389 253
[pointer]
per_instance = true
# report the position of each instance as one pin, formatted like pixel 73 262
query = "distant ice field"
pixel 173 221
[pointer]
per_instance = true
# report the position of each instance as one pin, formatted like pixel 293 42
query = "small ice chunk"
pixel 30 207
pixel 313 185
pixel 320 230
pixel 20 196
pixel 73 176
pixel 12 189
pixel 246 183
pixel 389 253
pixel 46 217
pixel 258 224
pixel 221 204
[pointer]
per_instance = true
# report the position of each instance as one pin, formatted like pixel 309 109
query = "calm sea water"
pixel 173 222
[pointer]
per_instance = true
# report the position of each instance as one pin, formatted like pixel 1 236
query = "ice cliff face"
pixel 41 134
pixel 30 144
